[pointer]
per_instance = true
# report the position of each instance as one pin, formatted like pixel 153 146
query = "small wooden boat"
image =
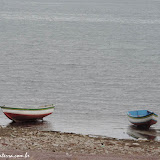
pixel 27 114
pixel 142 118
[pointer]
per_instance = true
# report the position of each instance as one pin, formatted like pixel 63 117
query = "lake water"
pixel 94 59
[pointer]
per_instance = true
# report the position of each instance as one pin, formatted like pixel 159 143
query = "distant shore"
pixel 69 144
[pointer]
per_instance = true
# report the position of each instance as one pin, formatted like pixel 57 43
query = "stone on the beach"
pixel 135 144
pixel 127 144
pixel 142 139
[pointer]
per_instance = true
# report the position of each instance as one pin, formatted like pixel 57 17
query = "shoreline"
pixel 26 140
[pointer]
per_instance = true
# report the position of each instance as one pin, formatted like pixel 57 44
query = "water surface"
pixel 94 59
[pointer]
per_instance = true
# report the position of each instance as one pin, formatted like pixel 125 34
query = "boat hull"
pixel 22 115
pixel 145 121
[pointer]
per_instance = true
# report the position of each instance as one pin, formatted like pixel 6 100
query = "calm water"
pixel 93 59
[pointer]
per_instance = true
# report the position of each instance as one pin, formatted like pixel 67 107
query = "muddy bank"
pixel 22 139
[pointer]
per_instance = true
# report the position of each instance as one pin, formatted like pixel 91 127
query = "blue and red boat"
pixel 142 118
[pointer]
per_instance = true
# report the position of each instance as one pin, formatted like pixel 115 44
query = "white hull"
pixel 142 120
pixel 28 112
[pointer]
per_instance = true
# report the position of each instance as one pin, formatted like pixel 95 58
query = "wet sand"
pixel 56 145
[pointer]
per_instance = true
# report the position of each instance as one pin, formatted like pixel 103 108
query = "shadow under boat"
pixel 40 125
pixel 143 133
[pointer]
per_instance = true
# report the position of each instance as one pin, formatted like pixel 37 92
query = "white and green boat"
pixel 27 114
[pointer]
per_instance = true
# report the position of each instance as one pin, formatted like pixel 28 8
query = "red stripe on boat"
pixel 24 117
pixel 149 123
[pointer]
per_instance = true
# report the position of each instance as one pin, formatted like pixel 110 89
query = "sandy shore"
pixel 55 145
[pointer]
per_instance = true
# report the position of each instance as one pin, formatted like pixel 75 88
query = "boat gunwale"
pixel 142 117
pixel 27 109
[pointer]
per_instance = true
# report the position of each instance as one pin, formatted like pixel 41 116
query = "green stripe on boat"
pixel 143 116
pixel 30 109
